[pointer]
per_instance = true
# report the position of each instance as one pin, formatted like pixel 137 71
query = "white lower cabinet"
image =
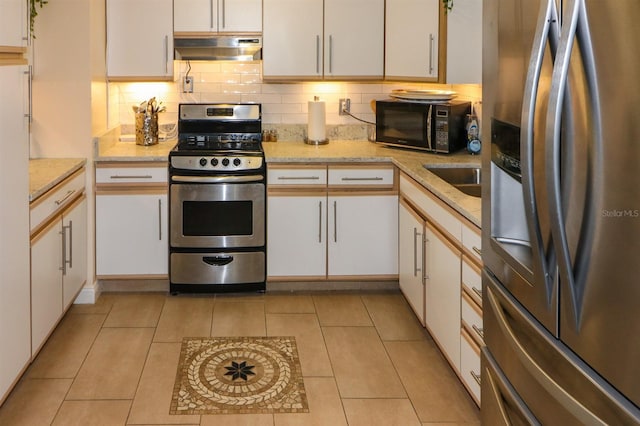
pixel 363 238
pixel 447 260
pixel 132 234
pixel 58 269
pixel 411 258
pixel 332 222
pixel 442 293
pixel 296 235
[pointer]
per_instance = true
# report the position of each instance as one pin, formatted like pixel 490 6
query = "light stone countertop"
pixel 108 148
pixel 45 173
pixel 410 162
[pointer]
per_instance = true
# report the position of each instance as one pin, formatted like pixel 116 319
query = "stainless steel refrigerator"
pixel 561 212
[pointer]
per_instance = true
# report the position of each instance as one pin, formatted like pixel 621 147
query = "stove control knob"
pixel 225 162
pixel 236 162
pixel 203 162
pixel 214 162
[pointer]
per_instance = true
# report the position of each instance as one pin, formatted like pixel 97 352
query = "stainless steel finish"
pixel 476 377
pixel 130 177
pixel 335 221
pixel 217 268
pixel 68 194
pixel 166 54
pixel 217 179
pixel 70 227
pixel 211 10
pixel 298 177
pixel 29 74
pixel 478 330
pixel 465 179
pixel 159 219
pixel 477 250
pixel 477 291
pixel 219 47
pixel 557 386
pixel 415 252
pixel 181 192
pixel 501 405
pixel 317 54
pixel 320 221
pixel 330 54
pixel 224 13
pixel 362 179
pixel 429 123
pixel 208 112
pixel 63 238
pixel 430 54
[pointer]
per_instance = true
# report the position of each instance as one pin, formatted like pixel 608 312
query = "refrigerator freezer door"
pixel 517 65
pixel 555 385
pixel 596 201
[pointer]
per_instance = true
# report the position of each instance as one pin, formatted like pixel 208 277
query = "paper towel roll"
pixel 316 130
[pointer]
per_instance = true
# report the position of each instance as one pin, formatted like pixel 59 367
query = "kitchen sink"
pixel 466 179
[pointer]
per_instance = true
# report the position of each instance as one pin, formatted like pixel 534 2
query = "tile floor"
pixel 365 360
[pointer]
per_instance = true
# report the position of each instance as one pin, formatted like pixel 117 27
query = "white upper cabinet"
pixel 464 42
pixel 306 39
pixel 13 24
pixel 139 47
pixel 354 38
pixel 232 16
pixel 412 39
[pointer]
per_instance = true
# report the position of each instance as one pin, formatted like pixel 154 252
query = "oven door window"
pixel 217 218
pixel 217 215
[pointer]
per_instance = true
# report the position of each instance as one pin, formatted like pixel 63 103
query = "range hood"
pixel 218 47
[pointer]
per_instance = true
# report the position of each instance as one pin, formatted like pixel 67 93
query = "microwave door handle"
pixel 429 127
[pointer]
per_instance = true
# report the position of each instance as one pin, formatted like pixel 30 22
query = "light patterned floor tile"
pixel 325 406
pixel 238 318
pixel 92 413
pixel 34 402
pixel 380 412
pixel 289 304
pixel 393 317
pixel 341 310
pixel 134 310
pixel 184 317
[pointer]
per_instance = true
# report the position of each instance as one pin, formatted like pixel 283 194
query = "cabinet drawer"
pixel 431 206
pixel 297 176
pixel 470 369
pixel 471 280
pixel 472 318
pixel 128 175
pixel 56 199
pixel 361 176
pixel 472 241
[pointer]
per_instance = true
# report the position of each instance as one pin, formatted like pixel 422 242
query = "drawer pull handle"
pixel 298 177
pixel 478 330
pixel 477 291
pixel 476 377
pixel 477 250
pixel 362 178
pixel 66 197
pixel 217 260
pixel 131 176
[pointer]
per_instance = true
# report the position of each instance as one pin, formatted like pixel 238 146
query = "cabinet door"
pixel 46 282
pixel 292 39
pixel 442 293
pixel 195 15
pixel 464 43
pixel 240 15
pixel 74 225
pixel 363 235
pixel 131 234
pixel 412 37
pixel 15 309
pixel 297 236
pixel 138 46
pixel 353 38
pixel 13 23
pixel 411 258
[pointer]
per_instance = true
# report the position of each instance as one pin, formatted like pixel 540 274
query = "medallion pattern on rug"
pixel 239 375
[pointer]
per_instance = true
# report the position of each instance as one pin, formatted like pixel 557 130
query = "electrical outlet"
pixel 345 105
pixel 187 85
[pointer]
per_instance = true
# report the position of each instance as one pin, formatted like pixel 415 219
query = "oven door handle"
pixel 217 179
pixel 217 260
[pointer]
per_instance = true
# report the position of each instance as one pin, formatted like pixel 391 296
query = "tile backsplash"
pixel 284 105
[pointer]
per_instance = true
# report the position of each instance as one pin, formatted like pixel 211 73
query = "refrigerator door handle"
pixel 582 413
pixel 546 32
pixel 574 29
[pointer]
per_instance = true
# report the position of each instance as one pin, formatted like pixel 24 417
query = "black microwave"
pixel 434 127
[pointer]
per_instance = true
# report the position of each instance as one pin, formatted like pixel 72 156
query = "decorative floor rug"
pixel 239 375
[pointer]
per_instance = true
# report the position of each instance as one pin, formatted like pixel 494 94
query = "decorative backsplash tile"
pixel 284 105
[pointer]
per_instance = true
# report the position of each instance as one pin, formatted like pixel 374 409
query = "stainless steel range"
pixel 217 197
